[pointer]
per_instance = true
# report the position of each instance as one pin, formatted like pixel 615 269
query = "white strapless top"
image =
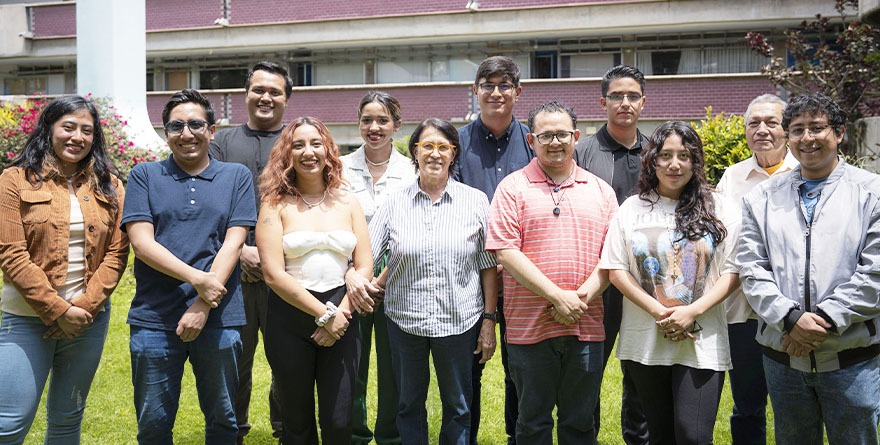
pixel 318 260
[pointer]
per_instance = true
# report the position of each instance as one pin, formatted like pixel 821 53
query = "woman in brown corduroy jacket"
pixel 62 254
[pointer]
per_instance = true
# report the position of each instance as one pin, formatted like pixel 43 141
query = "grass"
pixel 110 417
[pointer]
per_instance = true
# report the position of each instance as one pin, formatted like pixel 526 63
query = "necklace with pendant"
pixel 675 263
pixel 555 189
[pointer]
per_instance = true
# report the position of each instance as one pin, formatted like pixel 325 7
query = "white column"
pixel 111 61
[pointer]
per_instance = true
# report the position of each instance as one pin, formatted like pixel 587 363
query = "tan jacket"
pixel 35 234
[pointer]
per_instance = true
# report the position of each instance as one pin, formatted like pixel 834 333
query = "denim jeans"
pixel 453 362
pixel 26 359
pixel 561 372
pixel 748 422
pixel 157 364
pixel 846 402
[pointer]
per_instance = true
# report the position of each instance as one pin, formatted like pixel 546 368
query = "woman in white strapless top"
pixel 307 230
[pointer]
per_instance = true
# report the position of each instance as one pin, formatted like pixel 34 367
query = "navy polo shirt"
pixel 485 160
pixel 190 215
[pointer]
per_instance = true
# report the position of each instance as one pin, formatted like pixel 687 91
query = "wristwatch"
pixel 488 316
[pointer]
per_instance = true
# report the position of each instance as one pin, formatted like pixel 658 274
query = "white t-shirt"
pixel 640 240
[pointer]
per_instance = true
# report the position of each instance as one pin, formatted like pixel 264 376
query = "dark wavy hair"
pixel 38 159
pixel 498 65
pixel 445 128
pixel 695 212
pixel 622 72
pixel 815 104
pixel 279 177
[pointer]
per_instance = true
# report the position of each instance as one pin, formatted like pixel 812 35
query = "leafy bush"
pixel 724 141
pixel 17 120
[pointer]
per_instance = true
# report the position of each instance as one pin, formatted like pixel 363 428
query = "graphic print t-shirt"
pixel 642 240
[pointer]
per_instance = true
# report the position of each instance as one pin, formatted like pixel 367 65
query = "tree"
pixel 839 57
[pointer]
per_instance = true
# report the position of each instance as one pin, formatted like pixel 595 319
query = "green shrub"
pixel 724 141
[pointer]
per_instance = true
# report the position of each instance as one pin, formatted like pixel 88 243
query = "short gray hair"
pixel 764 98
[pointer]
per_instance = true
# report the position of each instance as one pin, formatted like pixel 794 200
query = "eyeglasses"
pixel 618 98
pixel 815 131
pixel 196 126
pixel 441 148
pixel 504 88
pixel 547 138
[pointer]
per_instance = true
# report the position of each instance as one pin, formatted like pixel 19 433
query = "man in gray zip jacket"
pixel 809 258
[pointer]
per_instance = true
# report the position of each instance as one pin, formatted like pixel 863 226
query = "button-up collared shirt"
pixel 399 174
pixel 485 160
pixel 736 182
pixel 436 250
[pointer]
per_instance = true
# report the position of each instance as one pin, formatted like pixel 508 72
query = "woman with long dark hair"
pixel 308 229
pixel 62 254
pixel 670 250
pixel 373 172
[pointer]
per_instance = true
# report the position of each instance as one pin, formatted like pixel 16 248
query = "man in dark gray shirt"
pixel 268 89
pixel 613 155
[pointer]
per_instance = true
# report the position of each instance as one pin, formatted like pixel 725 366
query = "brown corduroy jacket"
pixel 35 235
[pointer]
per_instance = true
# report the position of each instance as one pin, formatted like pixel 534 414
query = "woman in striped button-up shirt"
pixel 438 275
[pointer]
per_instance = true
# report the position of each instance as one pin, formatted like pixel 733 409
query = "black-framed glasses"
pixel 815 131
pixel 618 98
pixel 196 126
pixel 502 87
pixel 547 138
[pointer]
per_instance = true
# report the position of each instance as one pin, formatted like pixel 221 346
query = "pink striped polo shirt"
pixel 564 247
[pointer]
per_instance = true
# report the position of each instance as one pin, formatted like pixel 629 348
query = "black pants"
pixel 680 402
pixel 300 364
pixel 632 418
pixel 511 402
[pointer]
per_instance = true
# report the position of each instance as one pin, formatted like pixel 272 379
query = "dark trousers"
pixel 633 425
pixel 511 402
pixel 385 431
pixel 256 300
pixel 680 402
pixel 748 422
pixel 301 364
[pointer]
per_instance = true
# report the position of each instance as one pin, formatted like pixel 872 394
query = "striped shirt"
pixel 435 255
pixel 565 248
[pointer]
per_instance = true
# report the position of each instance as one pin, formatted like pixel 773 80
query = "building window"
pixel 545 65
pixel 215 79
pixel 26 85
pixel 339 73
pixel 587 65
pixel 403 71
pixel 176 80
pixel 302 74
pixel 699 61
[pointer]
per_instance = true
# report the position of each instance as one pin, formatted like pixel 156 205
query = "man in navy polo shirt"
pixel 187 218
pixel 492 147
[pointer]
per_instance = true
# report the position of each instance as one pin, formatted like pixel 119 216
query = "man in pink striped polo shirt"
pixel 547 224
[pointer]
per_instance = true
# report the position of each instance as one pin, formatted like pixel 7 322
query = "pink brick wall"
pixel 54 20
pixel 667 99
pixel 174 14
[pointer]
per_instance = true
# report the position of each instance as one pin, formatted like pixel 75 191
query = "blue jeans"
pixel 561 372
pixel 157 363
pixel 453 362
pixel 748 422
pixel 846 402
pixel 25 362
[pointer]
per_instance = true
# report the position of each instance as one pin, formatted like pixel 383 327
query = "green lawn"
pixel 110 415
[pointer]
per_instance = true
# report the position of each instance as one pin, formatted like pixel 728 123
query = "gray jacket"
pixel 829 266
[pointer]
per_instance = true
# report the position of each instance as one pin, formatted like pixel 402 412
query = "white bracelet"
pixel 331 311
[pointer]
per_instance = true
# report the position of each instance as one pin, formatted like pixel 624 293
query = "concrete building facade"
pixel 425 53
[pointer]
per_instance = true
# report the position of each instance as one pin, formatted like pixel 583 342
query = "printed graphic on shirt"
pixel 673 270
